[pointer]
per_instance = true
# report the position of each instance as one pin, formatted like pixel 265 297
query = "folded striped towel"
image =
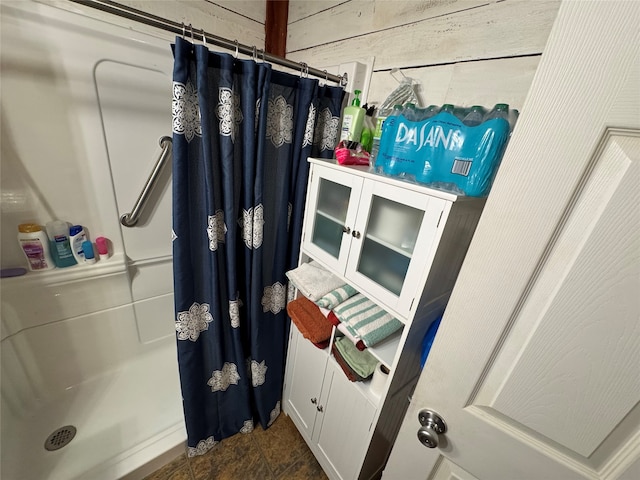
pixel 336 297
pixel 313 281
pixel 366 320
pixel 355 340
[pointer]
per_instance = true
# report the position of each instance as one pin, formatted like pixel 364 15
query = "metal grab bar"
pixel 130 219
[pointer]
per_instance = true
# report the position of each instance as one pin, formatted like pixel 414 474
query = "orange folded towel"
pixel 313 325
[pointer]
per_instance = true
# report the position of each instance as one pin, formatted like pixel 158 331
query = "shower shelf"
pixel 115 264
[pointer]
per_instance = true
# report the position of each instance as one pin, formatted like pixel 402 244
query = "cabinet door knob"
pixel 319 408
pixel 314 400
pixel 356 234
pixel 346 230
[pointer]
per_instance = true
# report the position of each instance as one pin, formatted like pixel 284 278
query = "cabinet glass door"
pixel 393 237
pixel 389 242
pixel 330 216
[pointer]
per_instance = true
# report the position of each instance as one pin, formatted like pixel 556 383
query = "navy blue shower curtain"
pixel 241 135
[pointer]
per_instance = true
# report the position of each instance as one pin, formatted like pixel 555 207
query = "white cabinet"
pixel 401 245
pixel 331 412
pixel 377 235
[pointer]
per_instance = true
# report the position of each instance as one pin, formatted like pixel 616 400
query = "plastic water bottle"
pixel 409 112
pixel 426 113
pixel 447 108
pixel 474 117
pixel 501 110
pixel 377 134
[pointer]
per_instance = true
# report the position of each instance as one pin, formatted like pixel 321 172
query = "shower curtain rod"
pixel 180 29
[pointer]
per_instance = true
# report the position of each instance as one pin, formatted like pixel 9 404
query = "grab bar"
pixel 130 219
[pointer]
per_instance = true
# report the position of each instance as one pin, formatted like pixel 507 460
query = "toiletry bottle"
pixel 368 129
pixel 102 245
pixel 352 120
pixel 35 246
pixel 89 255
pixel 77 235
pixel 58 232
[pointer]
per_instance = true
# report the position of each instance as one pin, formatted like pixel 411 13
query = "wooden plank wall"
pixel 464 52
pixel 242 20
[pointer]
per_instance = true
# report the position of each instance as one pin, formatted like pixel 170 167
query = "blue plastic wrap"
pixel 443 152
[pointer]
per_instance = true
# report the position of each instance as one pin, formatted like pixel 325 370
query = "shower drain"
pixel 60 437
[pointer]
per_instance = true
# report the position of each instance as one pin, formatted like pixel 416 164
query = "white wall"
pixel 462 51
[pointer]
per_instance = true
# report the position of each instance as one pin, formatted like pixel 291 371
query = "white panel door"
pixel 536 366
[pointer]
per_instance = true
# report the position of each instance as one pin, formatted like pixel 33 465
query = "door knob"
pixel 432 426
pixel 314 400
pixel 355 234
pixel 346 230
pixel 319 408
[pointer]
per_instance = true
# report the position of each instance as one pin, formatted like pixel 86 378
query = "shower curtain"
pixel 241 135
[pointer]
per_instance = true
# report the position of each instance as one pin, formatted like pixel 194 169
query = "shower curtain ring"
pixel 255 54
pixel 204 38
pixel 306 71
pixel 326 77
pixel 263 55
pixel 182 23
pixel 236 54
pixel 191 28
pixel 302 67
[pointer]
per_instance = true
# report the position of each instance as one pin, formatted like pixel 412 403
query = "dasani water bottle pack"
pixel 442 151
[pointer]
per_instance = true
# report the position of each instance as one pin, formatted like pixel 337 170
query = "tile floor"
pixel 278 453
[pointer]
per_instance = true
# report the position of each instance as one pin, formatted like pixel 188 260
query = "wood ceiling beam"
pixel 275 27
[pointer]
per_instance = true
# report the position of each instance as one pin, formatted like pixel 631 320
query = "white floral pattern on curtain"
pixel 274 413
pixel 251 224
pixel 308 129
pixel 189 324
pixel 203 447
pixel 279 121
pixel 216 230
pixel 326 134
pixel 234 312
pixel 185 111
pixel 228 112
pixel 258 373
pixel 274 298
pixel 247 427
pixel 222 379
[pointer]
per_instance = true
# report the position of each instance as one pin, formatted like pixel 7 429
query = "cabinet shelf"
pixel 385 350
pixel 363 387
pixel 330 217
pixel 388 245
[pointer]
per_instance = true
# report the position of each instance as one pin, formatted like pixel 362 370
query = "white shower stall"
pixel 84 104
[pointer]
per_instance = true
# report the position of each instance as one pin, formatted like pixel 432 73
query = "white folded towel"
pixel 313 281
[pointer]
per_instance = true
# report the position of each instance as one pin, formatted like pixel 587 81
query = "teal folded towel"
pixel 336 297
pixel 366 320
pixel 362 363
